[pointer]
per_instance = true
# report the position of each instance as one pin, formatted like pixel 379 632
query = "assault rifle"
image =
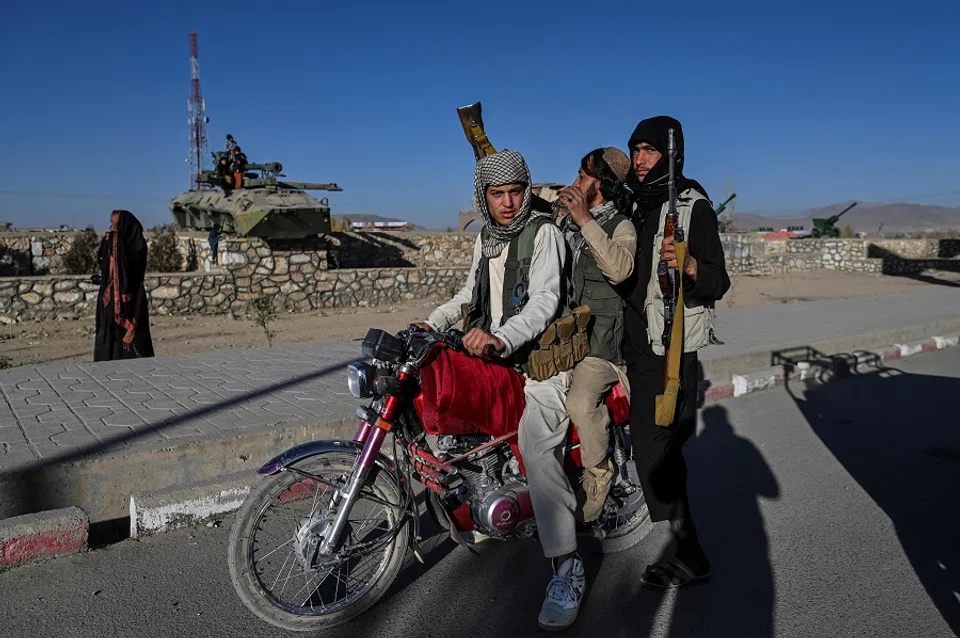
pixel 471 119
pixel 671 285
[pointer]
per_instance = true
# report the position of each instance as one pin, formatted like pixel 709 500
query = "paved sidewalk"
pixel 50 411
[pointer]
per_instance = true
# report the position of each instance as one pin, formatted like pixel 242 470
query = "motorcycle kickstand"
pixel 415 538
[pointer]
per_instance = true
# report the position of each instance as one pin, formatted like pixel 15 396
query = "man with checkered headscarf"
pixel 515 289
pixel 604 242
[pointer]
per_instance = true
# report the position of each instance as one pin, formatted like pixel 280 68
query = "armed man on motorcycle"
pixel 658 440
pixel 513 296
pixel 603 242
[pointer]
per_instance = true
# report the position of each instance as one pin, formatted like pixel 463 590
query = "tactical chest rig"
pixel 564 342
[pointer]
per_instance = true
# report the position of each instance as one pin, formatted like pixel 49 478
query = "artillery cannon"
pixel 723 205
pixel 264 206
pixel 827 226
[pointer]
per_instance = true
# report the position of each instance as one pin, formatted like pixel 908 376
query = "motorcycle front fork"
pixel 371 437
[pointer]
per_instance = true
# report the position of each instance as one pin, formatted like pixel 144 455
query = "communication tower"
pixel 731 207
pixel 198 119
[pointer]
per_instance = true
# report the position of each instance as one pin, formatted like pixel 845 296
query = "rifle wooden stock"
pixel 671 284
pixel 471 119
pixel 666 402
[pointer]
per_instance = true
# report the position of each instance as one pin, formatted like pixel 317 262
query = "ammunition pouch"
pixel 562 345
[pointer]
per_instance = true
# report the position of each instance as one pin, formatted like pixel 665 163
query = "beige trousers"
pixel 591 378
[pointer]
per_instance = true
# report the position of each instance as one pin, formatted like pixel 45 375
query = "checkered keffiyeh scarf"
pixel 571 232
pixel 505 167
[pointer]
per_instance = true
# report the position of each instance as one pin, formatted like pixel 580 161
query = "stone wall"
pixel 36 254
pixel 74 297
pixel 918 248
pixel 751 255
pixel 39 254
pixel 913 256
pixel 748 254
pixel 370 269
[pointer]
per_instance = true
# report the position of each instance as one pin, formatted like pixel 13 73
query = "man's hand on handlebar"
pixel 475 341
pixel 424 326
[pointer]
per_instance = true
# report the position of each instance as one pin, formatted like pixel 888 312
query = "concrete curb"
pixel 801 369
pixel 33 537
pixel 177 507
pixel 102 483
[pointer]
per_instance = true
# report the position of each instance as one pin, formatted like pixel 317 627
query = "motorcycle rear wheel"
pixel 240 555
pixel 629 529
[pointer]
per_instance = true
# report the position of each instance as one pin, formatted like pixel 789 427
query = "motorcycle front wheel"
pixel 272 554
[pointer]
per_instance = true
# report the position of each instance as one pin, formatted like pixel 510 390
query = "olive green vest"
pixel 516 282
pixel 698 317
pixel 591 288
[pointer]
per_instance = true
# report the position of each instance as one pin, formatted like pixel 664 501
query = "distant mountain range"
pixel 864 217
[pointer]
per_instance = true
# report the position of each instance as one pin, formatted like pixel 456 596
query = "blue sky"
pixel 797 105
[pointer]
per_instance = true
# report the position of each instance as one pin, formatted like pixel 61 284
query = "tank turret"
pixel 266 205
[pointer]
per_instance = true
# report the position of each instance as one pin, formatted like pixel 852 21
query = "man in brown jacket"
pixel 603 242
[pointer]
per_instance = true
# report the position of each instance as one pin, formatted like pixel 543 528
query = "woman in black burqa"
pixel 123 326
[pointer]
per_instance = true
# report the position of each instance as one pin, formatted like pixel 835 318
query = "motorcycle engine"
pixel 499 499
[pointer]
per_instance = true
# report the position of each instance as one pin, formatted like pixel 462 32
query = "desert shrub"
pixel 81 258
pixel 164 254
pixel 264 313
pixel 847 232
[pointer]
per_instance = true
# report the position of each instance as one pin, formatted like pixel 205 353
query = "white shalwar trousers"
pixel 542 437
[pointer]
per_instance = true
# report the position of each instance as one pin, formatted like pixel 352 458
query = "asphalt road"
pixel 828 510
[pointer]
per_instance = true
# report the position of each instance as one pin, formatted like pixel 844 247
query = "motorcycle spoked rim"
pixel 300 610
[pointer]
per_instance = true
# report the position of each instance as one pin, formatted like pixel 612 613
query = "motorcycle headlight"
pixel 360 376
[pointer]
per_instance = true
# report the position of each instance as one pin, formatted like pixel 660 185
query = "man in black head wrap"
pixel 658 450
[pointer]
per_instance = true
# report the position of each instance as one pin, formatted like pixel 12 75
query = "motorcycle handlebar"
pixel 454 339
pixel 451 337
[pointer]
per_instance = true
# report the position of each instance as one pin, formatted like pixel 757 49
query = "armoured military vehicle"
pixel 265 206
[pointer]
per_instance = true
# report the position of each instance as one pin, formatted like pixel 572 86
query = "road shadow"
pixel 896 435
pixel 727 478
pixel 496 590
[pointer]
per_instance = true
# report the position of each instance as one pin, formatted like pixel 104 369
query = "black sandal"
pixel 670 575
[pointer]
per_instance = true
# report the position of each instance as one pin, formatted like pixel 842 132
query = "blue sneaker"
pixel 562 603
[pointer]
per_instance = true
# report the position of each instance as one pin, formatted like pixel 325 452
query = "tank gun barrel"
pixel 267 167
pixel 309 186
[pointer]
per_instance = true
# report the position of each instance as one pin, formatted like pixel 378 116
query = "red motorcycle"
pixel 323 538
